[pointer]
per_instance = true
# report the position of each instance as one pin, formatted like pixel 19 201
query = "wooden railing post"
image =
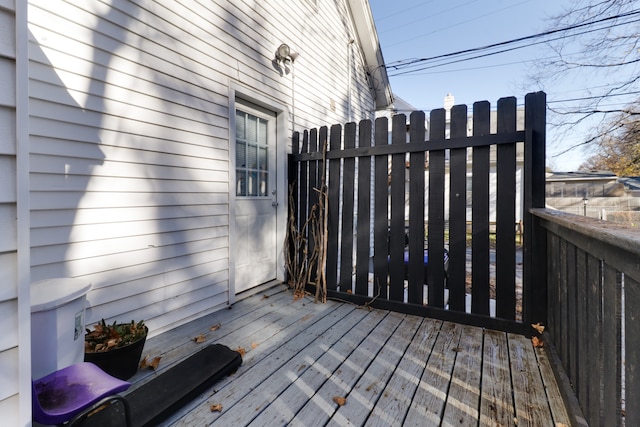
pixel 534 255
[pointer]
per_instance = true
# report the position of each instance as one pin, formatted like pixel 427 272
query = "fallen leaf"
pixel 216 407
pixel 155 362
pixel 215 327
pixel 242 351
pixel 265 296
pixel 143 363
pixel 254 344
pixel 537 342
pixel 538 327
pixel 200 339
pixel 341 401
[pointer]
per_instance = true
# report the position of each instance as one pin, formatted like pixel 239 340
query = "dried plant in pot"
pixel 116 348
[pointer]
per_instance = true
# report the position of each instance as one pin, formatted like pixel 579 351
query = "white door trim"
pixel 239 91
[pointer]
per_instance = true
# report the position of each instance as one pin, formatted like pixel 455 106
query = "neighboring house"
pixel 583 184
pixel 598 194
pixel 631 185
pixel 143 149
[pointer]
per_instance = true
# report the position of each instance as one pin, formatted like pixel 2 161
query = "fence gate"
pixel 425 225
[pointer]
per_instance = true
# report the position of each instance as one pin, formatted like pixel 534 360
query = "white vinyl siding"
pixel 8 226
pixel 129 134
pixel 9 293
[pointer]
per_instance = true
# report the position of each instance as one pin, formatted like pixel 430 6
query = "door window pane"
pixel 252 156
pixel 241 182
pixel 240 125
pixel 252 172
pixel 262 158
pixel 253 184
pixel 241 154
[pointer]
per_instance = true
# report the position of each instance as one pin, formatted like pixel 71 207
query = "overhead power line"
pixel 403 71
pixel 589 98
pixel 413 62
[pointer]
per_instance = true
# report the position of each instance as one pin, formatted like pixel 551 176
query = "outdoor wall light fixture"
pixel 284 54
pixel 585 201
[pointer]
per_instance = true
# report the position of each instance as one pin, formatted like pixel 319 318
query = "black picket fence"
pixel 397 203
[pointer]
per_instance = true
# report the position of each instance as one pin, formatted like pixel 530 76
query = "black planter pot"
pixel 120 362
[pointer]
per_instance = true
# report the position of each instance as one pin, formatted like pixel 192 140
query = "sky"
pixel 410 29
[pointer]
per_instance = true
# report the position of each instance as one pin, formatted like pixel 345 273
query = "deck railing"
pixel 380 182
pixel 593 312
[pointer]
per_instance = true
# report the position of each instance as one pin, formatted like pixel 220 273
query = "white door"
pixel 255 204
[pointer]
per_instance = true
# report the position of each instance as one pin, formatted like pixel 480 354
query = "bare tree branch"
pixel 609 54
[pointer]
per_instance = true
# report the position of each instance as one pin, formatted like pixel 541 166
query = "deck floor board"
pixel 319 362
pixel 368 390
pixel 530 397
pixel 556 404
pixel 342 382
pixel 463 396
pixel 496 404
pixel 392 408
pixel 259 386
pixel 428 403
pixel 393 369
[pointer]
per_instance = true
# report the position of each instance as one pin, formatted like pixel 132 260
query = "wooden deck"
pixel 392 369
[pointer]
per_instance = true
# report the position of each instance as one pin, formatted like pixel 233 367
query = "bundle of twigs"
pixel 297 256
pixel 306 265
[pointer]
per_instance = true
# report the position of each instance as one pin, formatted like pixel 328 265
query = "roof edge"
pixel 370 45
